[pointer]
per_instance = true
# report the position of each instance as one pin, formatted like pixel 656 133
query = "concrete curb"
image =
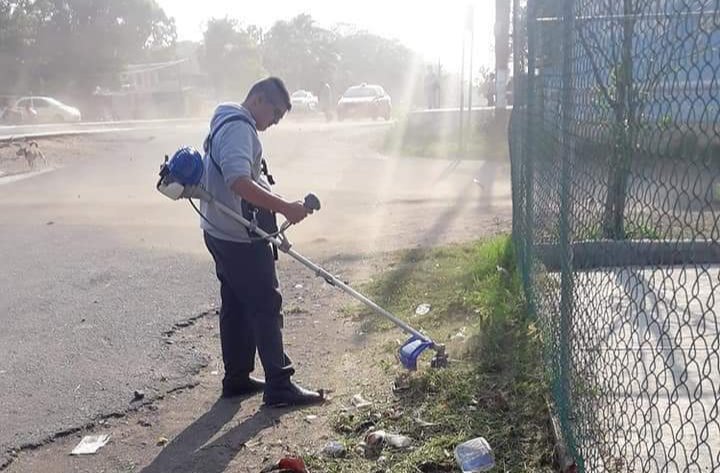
pixel 60 134
pixel 36 132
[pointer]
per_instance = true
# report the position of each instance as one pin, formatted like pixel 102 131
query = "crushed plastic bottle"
pixel 334 450
pixel 423 309
pixel 474 456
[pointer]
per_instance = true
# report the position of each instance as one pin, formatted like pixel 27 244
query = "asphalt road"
pixel 96 264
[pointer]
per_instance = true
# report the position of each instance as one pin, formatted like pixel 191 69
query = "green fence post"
pixel 564 387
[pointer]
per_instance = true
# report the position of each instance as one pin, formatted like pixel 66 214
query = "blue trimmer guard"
pixel 411 350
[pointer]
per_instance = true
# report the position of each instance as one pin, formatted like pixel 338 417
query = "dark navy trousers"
pixel 251 311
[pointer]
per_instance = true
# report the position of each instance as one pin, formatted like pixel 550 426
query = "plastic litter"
pixel 90 444
pixel 360 403
pixel 423 309
pixel 334 450
pixel 398 441
pixel 379 437
pixel 474 456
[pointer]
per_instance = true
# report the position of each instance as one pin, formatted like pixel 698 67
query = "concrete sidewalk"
pixel 645 357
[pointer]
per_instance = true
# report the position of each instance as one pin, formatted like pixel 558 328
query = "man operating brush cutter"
pixel 236 174
pixel 238 218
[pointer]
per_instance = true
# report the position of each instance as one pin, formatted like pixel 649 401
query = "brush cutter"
pixel 180 178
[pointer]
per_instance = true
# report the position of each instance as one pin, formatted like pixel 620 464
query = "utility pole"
pixel 502 51
pixel 470 25
pixel 462 98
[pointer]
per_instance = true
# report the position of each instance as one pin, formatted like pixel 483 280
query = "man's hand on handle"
pixel 295 212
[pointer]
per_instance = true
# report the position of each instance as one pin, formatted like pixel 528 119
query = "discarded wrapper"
pixel 398 441
pixel 90 444
pixel 379 437
pixel 360 403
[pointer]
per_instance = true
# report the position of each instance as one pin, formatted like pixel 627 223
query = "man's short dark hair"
pixel 273 89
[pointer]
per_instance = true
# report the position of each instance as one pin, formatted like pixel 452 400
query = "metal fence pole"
pixel 527 160
pixel 565 406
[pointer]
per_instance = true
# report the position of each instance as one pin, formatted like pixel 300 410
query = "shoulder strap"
pixel 207 146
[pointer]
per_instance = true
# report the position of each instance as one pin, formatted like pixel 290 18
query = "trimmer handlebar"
pixel 311 202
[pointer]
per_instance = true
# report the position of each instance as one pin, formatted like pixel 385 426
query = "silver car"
pixel 366 101
pixel 44 109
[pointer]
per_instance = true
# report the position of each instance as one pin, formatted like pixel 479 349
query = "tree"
pixel 231 56
pixel 614 73
pixel 303 54
pixel 365 57
pixel 485 84
pixel 15 24
pixel 502 50
pixel 72 45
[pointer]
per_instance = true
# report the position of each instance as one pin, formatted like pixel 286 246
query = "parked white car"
pixel 42 109
pixel 304 101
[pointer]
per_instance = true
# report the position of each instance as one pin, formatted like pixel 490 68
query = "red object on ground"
pixel 294 464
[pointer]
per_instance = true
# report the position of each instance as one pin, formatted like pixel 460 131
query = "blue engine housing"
pixel 186 166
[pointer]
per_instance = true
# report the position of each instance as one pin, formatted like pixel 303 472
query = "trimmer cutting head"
pixel 411 350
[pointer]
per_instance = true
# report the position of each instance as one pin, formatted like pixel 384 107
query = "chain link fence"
pixel 615 147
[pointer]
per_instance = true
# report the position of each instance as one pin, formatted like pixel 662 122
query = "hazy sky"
pixel 431 27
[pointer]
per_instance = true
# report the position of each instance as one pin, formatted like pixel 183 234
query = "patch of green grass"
pixel 633 231
pixel 436 277
pixel 641 231
pixel 497 389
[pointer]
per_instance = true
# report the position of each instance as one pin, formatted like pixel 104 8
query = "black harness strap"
pixel 209 139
